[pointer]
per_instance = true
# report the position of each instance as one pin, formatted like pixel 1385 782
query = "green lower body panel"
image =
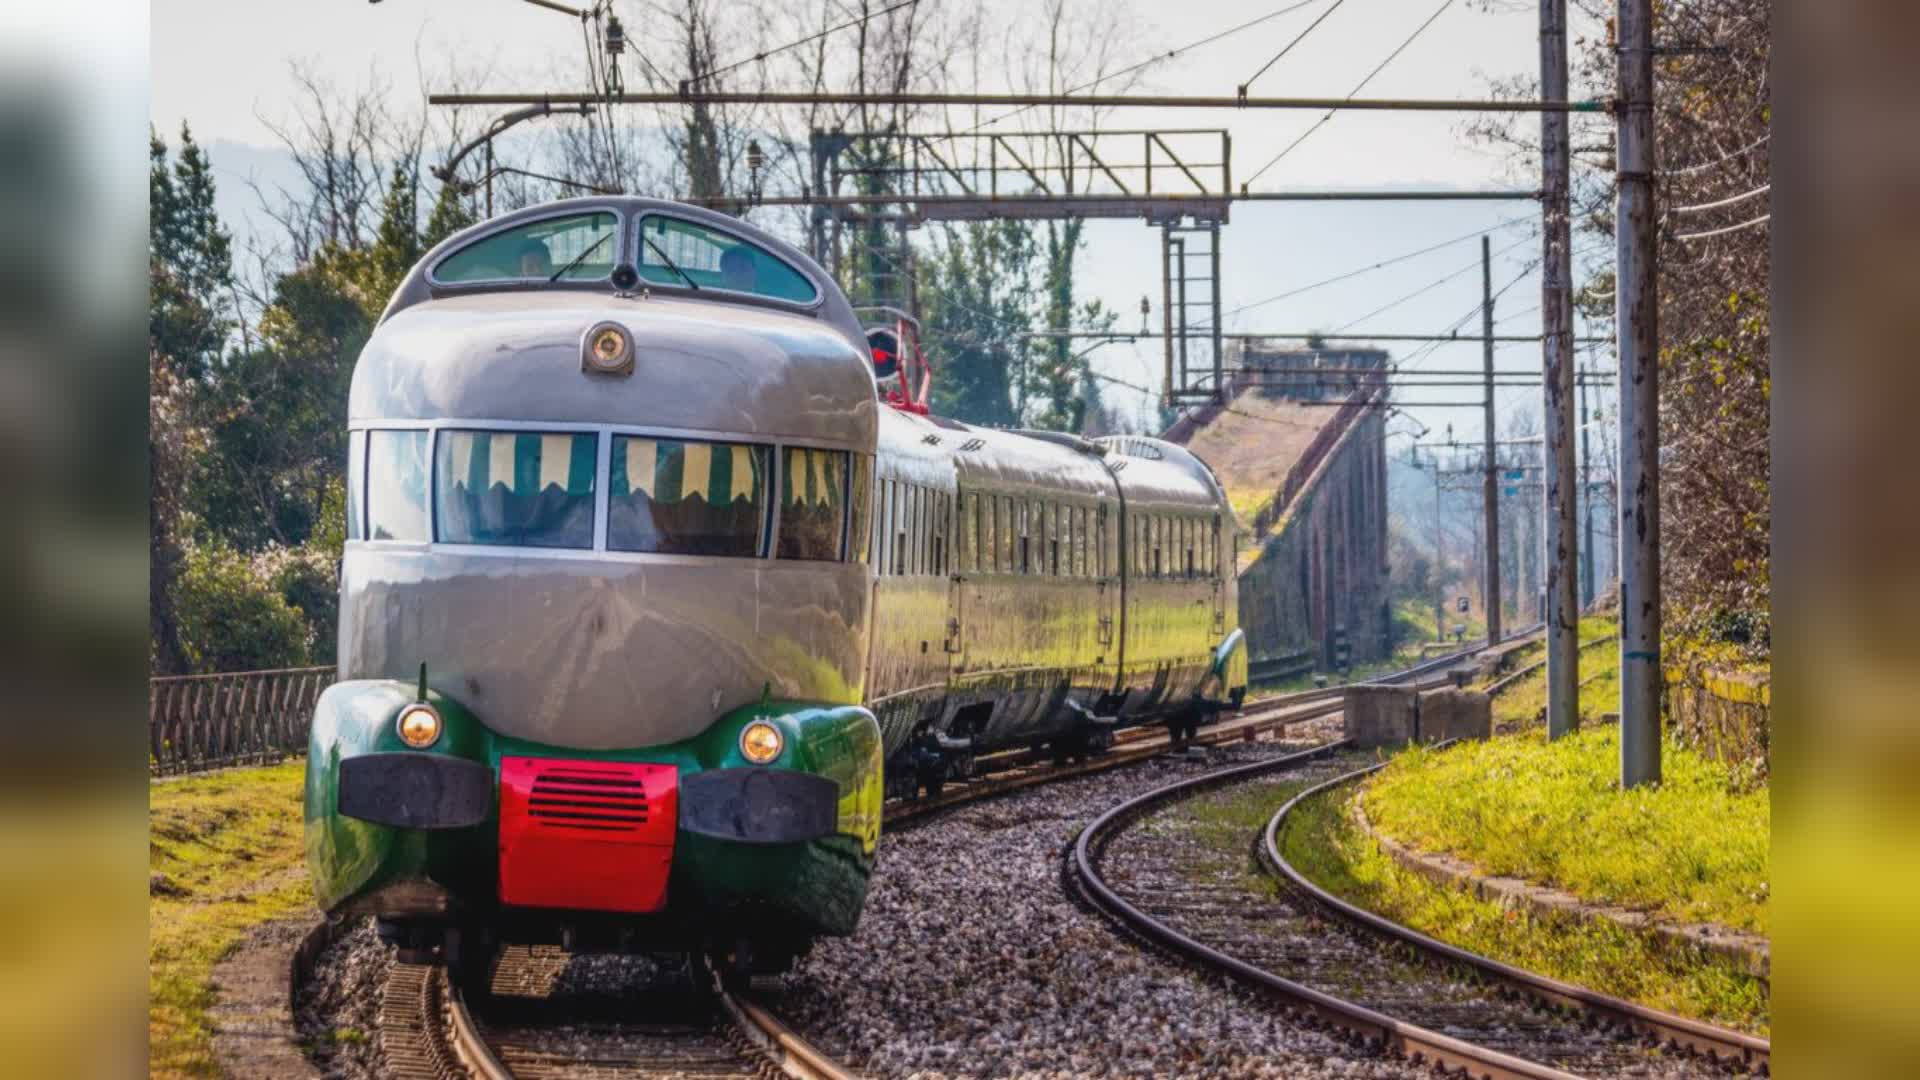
pixel 685 841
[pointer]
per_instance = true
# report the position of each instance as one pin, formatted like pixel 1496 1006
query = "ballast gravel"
pixel 971 960
pixel 337 1012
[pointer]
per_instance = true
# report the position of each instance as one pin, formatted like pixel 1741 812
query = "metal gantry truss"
pixel 870 185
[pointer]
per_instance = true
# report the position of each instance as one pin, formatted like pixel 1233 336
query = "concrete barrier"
pixel 1455 714
pixel 1379 715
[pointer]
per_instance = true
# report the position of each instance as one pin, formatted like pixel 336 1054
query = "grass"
pixel 1693 848
pixel 1321 840
pixel 1226 820
pixel 224 854
pixel 1523 703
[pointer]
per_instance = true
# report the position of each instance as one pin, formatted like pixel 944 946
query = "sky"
pixel 225 66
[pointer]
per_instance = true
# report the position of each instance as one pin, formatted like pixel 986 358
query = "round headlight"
pixel 609 350
pixel 761 742
pixel 419 725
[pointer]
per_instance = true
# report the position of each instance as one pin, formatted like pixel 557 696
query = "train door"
pixel 1218 574
pixel 1108 604
pixel 966 545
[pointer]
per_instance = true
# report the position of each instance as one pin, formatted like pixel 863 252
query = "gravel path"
pixel 971 961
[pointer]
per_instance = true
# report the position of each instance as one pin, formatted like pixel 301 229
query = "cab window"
pixel 518 488
pixel 677 252
pixel 579 247
pixel 682 497
pixel 397 485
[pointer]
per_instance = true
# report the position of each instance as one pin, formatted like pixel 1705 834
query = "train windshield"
pixel 526 489
pixel 577 247
pixel 681 497
pixel 677 252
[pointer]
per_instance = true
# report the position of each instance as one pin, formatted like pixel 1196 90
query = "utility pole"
pixel 1556 329
pixel 1492 598
pixel 1635 319
pixel 1590 586
pixel 1439 576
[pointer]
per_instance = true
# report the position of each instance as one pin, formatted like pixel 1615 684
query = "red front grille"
pixel 591 835
pixel 587 797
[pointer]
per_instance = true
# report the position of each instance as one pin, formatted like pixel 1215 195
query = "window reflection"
pixel 813 504
pixel 683 497
pixel 527 489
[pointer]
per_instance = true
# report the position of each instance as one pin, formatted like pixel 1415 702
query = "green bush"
pixel 307 579
pixel 231 618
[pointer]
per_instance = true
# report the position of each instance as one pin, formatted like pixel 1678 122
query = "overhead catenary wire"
pixel 809 39
pixel 1429 287
pixel 1288 47
pixel 1731 200
pixel 1362 85
pixel 1703 166
pixel 1158 58
pixel 1704 233
pixel 1345 275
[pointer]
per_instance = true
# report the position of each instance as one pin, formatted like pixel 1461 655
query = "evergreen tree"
pixel 189 293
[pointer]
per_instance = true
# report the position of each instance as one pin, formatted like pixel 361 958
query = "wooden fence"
pixel 199 722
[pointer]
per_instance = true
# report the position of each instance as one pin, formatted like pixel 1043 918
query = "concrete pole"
pixel 1556 318
pixel 1439 576
pixel 1492 598
pixel 1589 586
pixel 1635 319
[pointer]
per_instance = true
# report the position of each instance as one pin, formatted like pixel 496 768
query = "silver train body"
pixel 990 589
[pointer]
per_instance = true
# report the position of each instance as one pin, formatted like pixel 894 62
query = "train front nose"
pixel 597 835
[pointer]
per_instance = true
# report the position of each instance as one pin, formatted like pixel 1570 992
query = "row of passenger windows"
pixel 1006 534
pixel 538 489
pixel 1174 546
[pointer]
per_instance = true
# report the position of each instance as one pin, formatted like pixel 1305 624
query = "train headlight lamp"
pixel 419 725
pixel 608 350
pixel 761 742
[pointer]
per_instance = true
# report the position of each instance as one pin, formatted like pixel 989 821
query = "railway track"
pixel 526 1023
pixel 1143 871
pixel 1714 1043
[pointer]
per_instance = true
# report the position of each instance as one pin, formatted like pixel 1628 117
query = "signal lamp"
pixel 419 725
pixel 608 350
pixel 761 742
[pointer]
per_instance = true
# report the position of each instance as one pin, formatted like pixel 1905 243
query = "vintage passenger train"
pixel 655 582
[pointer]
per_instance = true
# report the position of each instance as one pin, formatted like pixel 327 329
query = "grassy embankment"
pixel 224 855
pixel 1694 848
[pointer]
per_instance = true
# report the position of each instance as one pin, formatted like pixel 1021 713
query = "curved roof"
pixel 1158 475
pixel 831 308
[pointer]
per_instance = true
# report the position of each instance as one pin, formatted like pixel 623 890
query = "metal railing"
pixel 197 722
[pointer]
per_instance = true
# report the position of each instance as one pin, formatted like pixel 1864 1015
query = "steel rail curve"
pixel 428 1031
pixel 1718 1043
pixel 1417 1044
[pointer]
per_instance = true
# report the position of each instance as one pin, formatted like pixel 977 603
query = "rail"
pixel 1501 685
pixel 1415 1043
pixel 1720 1044
pixel 197 722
